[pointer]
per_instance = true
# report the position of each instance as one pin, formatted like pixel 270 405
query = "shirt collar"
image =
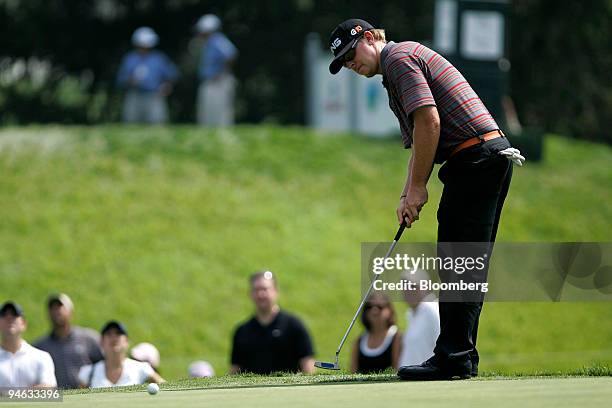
pixel 53 336
pixel 25 346
pixel 272 322
pixel 383 57
pixel 385 50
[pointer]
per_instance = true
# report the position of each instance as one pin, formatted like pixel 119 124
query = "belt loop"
pixel 501 133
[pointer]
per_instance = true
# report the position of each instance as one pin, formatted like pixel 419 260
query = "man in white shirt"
pixel 423 323
pixel 21 365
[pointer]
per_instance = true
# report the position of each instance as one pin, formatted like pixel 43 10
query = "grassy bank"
pixel 160 228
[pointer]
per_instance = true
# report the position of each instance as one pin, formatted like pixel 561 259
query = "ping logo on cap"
pixel 356 30
pixel 336 44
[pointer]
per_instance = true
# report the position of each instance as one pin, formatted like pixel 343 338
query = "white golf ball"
pixel 152 388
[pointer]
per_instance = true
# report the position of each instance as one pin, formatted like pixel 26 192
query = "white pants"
pixel 216 101
pixel 145 107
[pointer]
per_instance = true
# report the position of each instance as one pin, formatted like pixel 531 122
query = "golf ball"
pixel 152 388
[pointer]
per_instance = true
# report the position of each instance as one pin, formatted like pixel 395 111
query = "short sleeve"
pixel 303 343
pixel 237 351
pixel 145 371
pixel 226 47
pixel 94 349
pixel 84 373
pixel 170 70
pixel 47 370
pixel 405 74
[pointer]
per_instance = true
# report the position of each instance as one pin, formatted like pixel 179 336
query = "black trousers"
pixel 476 182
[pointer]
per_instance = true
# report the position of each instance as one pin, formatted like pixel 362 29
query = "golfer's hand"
pixel 410 206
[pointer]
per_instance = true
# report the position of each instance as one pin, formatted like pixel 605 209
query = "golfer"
pixel 443 121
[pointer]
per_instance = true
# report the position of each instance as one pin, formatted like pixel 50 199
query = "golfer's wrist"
pixel 417 185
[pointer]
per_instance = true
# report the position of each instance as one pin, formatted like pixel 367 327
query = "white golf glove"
pixel 514 155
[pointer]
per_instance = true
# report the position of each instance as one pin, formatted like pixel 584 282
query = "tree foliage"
pixel 562 64
pixel 58 58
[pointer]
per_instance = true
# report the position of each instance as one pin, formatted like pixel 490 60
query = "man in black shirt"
pixel 272 340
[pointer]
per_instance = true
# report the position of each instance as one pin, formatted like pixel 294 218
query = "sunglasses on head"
pixel 350 54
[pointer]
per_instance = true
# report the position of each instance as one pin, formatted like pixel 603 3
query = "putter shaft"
pixel 365 298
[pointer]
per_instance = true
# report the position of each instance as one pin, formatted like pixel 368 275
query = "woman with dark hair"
pixel 379 347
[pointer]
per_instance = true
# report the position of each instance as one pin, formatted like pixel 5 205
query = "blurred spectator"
pixel 116 368
pixel 147 75
pixel 71 347
pixel 272 340
pixel 21 365
pixel 148 353
pixel 215 104
pixel 201 369
pixel 379 347
pixel 423 322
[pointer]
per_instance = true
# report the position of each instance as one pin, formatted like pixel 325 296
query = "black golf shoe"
pixel 431 371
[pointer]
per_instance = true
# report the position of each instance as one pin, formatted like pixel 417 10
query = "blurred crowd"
pixel 71 356
pixel 147 77
pixel 271 340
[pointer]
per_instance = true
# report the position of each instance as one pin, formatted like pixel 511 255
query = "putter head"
pixel 327 366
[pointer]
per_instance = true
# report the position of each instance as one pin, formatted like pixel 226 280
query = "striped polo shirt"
pixel 69 354
pixel 416 76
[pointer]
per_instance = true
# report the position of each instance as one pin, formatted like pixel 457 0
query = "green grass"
pixel 159 227
pixel 284 379
pixel 527 392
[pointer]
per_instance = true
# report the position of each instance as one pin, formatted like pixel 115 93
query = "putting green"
pixel 525 392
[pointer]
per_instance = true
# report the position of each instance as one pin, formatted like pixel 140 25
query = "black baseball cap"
pixel 113 324
pixel 344 38
pixel 10 305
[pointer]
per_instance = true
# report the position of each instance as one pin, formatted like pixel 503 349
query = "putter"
pixel 336 364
